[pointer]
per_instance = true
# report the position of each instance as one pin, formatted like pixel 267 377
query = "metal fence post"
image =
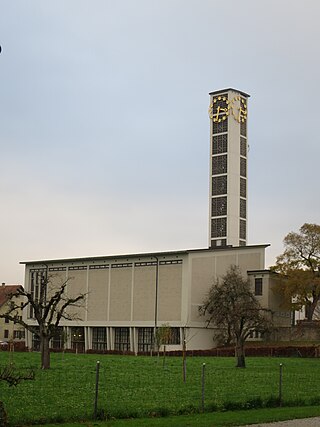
pixel 184 369
pixel 97 390
pixel 280 384
pixel 203 386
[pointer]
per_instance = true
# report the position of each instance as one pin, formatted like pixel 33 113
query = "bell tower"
pixel 228 168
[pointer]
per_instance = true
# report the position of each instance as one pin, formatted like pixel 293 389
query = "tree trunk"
pixel 164 356
pixel 309 310
pixel 3 416
pixel 241 362
pixel 45 352
pixel 184 358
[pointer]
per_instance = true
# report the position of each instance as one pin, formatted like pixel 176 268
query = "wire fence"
pixel 147 387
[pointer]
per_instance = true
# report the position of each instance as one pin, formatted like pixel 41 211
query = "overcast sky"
pixel 104 130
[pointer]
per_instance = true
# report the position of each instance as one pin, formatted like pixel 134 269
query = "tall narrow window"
pixel 243 208
pixel 258 286
pixel 243 147
pixel 145 339
pixel 243 229
pixel 99 338
pixel 243 166
pixel 243 187
pixel 77 339
pixel 122 339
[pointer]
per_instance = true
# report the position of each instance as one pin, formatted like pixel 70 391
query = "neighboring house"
pixel 9 331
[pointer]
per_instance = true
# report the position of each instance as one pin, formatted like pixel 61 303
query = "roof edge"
pixel 216 92
pixel 141 254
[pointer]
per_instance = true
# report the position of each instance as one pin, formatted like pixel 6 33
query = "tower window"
pixel 243 128
pixel 219 185
pixel 243 166
pixel 243 229
pixel 243 147
pixel 219 206
pixel 243 187
pixel 219 164
pixel 219 127
pixel 219 227
pixel 220 144
pixel 243 208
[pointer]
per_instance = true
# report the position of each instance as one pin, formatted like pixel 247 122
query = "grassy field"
pixel 212 419
pixel 131 387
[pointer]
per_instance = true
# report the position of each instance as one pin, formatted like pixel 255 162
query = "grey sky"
pixel 104 126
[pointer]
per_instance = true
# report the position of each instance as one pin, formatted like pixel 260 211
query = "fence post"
pixel 280 384
pixel 97 390
pixel 184 368
pixel 203 386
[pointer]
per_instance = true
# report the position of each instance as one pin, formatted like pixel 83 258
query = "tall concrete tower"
pixel 228 168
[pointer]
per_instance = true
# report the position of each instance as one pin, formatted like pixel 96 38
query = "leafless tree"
pixel 49 307
pixel 13 376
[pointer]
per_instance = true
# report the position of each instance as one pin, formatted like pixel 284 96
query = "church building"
pixel 130 296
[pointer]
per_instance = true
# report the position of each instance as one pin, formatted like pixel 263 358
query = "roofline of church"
pixel 143 254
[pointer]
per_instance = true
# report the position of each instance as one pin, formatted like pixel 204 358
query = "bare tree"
pixel 163 337
pixel 49 307
pixel 13 377
pixel 235 312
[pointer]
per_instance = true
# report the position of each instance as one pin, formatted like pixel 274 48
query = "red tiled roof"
pixel 6 291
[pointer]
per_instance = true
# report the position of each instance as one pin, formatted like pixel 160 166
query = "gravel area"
pixel 303 422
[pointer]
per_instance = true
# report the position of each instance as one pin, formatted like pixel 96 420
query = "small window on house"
pixel 258 286
pixel 6 333
pixel 6 320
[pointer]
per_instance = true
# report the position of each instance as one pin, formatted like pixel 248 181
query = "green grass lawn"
pixel 213 419
pixel 131 387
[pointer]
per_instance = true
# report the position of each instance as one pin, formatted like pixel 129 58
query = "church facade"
pixel 129 296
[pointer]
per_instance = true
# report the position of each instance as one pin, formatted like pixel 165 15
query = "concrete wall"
pixel 121 292
pixel 209 266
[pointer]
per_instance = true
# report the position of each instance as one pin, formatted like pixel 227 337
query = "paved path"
pixel 303 422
